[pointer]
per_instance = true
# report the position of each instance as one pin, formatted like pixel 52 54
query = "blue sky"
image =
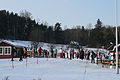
pixel 68 12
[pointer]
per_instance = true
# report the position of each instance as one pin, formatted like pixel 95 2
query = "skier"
pixel 81 54
pixel 63 53
pixel 21 52
pixel 93 55
pixel 52 53
pixel 70 54
pixel 13 52
pixel 25 52
pixel 39 52
pixel 46 54
pixel 88 55
pixel 73 53
pixel 55 55
pixel 77 55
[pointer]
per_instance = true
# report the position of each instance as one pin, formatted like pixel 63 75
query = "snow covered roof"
pixel 19 43
pixel 13 43
pixel 74 42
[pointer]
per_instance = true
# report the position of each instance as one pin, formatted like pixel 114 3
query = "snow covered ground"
pixel 54 69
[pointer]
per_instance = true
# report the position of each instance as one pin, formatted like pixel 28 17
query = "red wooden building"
pixel 6 49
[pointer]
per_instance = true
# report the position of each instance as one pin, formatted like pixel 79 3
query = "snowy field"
pixel 54 69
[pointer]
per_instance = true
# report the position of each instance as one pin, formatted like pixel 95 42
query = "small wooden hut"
pixel 6 49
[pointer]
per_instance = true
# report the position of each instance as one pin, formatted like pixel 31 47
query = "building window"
pixel 9 50
pixel 6 50
pixel 1 51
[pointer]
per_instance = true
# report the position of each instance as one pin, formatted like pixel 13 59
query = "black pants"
pixel 92 60
pixel 20 58
pixel 70 56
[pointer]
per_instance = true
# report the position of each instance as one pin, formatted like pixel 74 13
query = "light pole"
pixel 116 22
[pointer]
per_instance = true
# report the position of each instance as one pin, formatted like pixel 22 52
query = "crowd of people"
pixel 20 52
pixel 69 53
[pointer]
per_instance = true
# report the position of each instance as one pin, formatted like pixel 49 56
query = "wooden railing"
pixel 107 62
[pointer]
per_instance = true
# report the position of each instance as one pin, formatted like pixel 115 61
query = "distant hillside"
pixel 22 27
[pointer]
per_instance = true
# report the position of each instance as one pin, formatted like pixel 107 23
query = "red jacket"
pixel 40 50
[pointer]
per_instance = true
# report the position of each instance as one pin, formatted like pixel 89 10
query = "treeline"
pixel 23 27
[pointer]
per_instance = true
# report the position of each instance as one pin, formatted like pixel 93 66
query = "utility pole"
pixel 116 22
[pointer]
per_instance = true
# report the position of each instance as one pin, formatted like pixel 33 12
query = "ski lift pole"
pixel 37 58
pixel 26 61
pixel 12 65
pixel 116 21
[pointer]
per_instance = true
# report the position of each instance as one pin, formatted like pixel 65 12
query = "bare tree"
pixel 25 14
pixel 89 26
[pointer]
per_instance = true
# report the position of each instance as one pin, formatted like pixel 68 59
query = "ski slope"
pixel 54 69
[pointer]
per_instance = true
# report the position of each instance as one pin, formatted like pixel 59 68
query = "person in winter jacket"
pixel 93 55
pixel 55 55
pixel 21 52
pixel 81 54
pixel 88 56
pixel 39 51
pixel 63 53
pixel 13 52
pixel 25 52
pixel 71 54
pixel 52 53
pixel 77 55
